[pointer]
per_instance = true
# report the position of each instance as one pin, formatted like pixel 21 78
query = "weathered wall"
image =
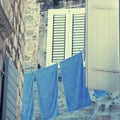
pixel 12 43
pixel 32 18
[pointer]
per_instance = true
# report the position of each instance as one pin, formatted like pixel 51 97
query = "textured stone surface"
pixel 98 110
pixel 13 42
pixel 103 117
pixel 32 18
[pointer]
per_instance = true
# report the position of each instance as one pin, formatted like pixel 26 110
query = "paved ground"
pixel 106 108
pixel 63 113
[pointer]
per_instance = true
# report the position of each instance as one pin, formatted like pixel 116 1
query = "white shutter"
pixel 66 34
pixel 78 31
pixel 102 45
pixel 56 35
pixel 58 42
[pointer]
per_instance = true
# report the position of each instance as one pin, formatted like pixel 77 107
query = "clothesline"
pixel 73 77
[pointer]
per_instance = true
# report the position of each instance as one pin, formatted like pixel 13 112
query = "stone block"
pixel 101 108
pixel 103 117
pixel 22 26
pixel 118 116
pixel 114 108
pixel 87 111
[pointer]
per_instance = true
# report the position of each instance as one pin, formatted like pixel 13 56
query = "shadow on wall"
pixel 48 4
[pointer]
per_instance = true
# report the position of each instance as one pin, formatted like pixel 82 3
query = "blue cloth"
pixel 28 97
pixel 100 93
pixel 73 76
pixel 47 84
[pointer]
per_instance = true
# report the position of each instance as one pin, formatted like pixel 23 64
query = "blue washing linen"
pixel 47 83
pixel 28 97
pixel 100 93
pixel 73 76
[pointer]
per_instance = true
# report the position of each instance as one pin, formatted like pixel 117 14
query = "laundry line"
pixel 73 77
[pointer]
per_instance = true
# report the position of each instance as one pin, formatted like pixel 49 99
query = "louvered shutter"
pixel 78 31
pixel 66 34
pixel 59 32
pixel 10 91
pixel 56 35
pixel 103 50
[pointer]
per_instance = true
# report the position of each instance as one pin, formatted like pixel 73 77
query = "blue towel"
pixel 28 97
pixel 73 76
pixel 100 93
pixel 47 84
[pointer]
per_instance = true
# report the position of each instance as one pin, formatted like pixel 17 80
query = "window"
pixel 66 34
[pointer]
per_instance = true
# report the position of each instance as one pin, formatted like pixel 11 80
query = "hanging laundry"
pixel 47 84
pixel 73 76
pixel 100 93
pixel 28 97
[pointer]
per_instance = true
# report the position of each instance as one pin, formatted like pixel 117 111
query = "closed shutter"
pixel 66 34
pixel 59 32
pixel 56 35
pixel 78 33
pixel 103 50
pixel 10 91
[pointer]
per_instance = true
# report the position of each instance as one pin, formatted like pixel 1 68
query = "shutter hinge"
pixel 2 73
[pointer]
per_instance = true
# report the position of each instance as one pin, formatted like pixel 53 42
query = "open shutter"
pixel 102 49
pixel 10 91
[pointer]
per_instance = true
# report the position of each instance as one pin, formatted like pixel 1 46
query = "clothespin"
pixel 38 66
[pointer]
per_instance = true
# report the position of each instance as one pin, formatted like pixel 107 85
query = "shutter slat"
pixel 12 105
pixel 11 88
pixel 59 27
pixel 58 37
pixel 12 108
pixel 58 41
pixel 10 114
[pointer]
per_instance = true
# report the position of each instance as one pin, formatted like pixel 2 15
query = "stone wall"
pixel 12 40
pixel 32 18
